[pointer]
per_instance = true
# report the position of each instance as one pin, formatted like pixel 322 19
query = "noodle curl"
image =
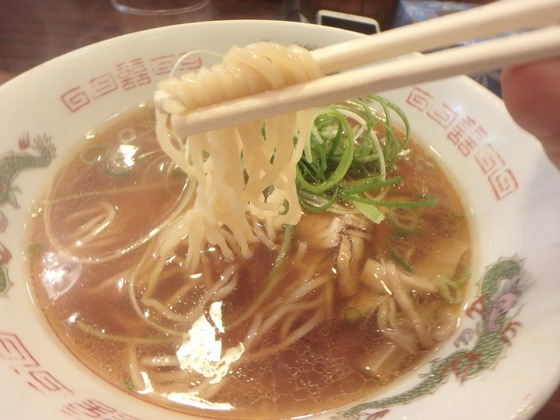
pixel 258 173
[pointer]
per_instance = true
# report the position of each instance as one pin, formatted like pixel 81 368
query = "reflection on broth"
pixel 310 317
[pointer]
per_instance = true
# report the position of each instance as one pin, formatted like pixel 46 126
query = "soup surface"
pixel 353 306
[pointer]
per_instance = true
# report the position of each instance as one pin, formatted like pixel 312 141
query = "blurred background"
pixel 33 31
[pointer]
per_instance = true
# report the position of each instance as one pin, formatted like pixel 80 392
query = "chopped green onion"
pixel 94 154
pixel 395 251
pixel 448 289
pixel 367 184
pixel 316 203
pixel 352 314
pixel 404 218
pixel 371 212
pixel 462 273
pixel 274 277
pixel 35 249
pixel 129 384
pixel 348 156
pixel 423 202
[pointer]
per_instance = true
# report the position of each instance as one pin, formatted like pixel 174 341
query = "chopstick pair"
pixel 495 18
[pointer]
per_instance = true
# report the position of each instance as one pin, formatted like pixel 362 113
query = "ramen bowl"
pixel 502 361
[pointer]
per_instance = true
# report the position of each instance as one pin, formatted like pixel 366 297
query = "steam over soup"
pixel 297 320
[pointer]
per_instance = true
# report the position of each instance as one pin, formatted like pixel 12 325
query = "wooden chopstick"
pixel 513 49
pixel 535 45
pixel 479 22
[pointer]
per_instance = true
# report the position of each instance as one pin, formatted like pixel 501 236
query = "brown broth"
pixel 89 306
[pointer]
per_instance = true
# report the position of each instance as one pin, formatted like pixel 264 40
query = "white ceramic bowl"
pixel 488 370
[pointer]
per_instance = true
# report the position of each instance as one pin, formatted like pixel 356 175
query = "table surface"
pixel 33 31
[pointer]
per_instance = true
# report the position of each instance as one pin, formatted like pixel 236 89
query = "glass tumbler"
pixel 144 14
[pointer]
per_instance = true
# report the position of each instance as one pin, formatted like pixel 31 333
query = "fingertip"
pixel 531 93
